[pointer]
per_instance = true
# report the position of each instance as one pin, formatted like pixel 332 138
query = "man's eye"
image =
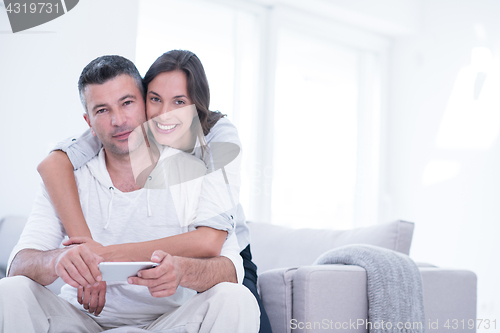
pixel 127 103
pixel 100 111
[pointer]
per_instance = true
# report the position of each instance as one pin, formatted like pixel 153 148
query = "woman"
pixel 175 81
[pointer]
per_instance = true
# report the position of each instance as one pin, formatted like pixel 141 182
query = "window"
pixel 315 122
pixel 296 89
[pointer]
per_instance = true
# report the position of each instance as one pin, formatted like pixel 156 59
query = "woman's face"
pixel 170 111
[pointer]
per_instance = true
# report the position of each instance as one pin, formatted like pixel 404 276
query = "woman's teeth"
pixel 165 127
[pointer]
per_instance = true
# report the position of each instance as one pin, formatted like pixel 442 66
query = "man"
pixel 117 210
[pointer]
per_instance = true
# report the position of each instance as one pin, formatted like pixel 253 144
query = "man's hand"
pixel 77 266
pixel 163 280
pixel 93 298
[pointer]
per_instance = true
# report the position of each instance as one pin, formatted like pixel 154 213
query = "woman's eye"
pixel 155 99
pixel 179 102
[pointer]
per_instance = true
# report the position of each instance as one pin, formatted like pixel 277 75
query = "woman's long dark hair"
pixel 197 84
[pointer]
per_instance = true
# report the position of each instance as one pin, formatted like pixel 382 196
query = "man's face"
pixel 115 108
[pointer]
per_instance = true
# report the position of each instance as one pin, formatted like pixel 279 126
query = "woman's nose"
pixel 164 115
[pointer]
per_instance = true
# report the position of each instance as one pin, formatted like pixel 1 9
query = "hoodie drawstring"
pixel 112 189
pixel 147 191
pixel 149 208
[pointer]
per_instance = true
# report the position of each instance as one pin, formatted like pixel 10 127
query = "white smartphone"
pixel 121 271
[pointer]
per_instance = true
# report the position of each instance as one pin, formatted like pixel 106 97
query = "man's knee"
pixel 228 289
pixel 235 295
pixel 237 306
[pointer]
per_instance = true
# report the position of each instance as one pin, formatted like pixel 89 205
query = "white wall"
pixel 39 71
pixel 457 220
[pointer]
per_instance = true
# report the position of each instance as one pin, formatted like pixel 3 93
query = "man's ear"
pixel 87 119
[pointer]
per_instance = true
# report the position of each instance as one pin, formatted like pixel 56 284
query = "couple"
pixel 200 242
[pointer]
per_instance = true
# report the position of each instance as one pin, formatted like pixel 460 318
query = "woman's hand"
pixel 91 244
pixel 93 298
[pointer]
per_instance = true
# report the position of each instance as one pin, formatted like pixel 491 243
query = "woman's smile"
pixel 165 128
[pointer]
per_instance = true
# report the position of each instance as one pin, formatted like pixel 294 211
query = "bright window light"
pixel 481 59
pixel 472 116
pixel 315 137
pixel 438 171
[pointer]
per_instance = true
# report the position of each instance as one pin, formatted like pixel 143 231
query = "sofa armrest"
pixel 329 295
pixel 450 296
pixel 275 287
pixel 312 294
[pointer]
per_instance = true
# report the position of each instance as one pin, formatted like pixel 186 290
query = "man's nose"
pixel 118 118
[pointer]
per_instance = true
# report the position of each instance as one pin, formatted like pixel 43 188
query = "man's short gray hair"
pixel 105 68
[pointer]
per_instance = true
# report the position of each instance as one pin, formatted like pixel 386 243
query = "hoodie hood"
pixel 97 167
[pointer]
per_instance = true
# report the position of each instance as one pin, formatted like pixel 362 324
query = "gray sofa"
pixel 292 289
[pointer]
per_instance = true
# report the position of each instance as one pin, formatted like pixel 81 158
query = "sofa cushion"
pixel 11 228
pixel 277 247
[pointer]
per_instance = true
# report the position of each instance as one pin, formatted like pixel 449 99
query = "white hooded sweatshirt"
pixel 116 217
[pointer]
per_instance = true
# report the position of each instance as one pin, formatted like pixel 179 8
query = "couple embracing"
pixel 155 178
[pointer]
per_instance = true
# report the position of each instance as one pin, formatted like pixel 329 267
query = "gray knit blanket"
pixel 394 285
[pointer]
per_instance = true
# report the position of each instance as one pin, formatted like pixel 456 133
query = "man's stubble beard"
pixel 123 150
